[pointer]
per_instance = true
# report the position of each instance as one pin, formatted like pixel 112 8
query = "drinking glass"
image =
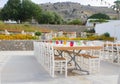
pixel 57 42
pixel 61 42
pixel 65 42
pixel 79 43
pixel 71 43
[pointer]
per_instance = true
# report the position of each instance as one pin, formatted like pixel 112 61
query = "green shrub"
pixel 90 30
pixel 99 16
pixel 98 20
pixel 38 33
pixel 106 34
pixel 1 22
pixel 75 22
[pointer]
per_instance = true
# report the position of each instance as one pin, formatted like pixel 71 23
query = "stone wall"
pixel 16 45
pixel 66 28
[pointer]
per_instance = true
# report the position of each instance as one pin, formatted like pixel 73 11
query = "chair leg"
pixel 66 69
pixel 89 65
pixel 61 67
pixel 53 70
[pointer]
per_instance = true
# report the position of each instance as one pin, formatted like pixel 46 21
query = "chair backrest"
pixel 108 46
pixel 51 54
pixel 51 51
pixel 98 43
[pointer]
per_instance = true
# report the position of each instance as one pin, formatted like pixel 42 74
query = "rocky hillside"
pixel 70 10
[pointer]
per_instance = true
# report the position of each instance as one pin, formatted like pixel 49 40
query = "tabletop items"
pixel 71 43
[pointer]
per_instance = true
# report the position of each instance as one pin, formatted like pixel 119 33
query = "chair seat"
pixel 59 58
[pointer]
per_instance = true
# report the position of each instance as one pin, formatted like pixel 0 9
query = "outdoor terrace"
pixel 21 67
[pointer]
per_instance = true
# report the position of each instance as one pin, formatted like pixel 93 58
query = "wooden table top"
pixel 78 47
pixel 110 44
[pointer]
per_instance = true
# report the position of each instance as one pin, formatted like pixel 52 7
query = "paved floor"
pixel 20 67
pixel 109 73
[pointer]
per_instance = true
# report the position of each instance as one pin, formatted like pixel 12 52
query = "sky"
pixel 83 2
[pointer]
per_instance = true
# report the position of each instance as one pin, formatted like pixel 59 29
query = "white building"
pixel 112 27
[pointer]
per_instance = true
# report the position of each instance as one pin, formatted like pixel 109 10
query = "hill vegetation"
pixel 99 16
pixel 26 10
pixel 51 13
pixel 70 10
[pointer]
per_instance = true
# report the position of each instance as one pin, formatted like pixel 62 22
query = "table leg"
pixel 73 58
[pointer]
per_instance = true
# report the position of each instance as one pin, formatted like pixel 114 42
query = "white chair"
pixel 98 43
pixel 94 64
pixel 118 52
pixel 91 61
pixel 109 52
pixel 57 63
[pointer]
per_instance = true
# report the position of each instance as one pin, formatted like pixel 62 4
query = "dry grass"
pixel 20 27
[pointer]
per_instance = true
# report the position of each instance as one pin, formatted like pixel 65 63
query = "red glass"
pixel 71 43
pixel 57 42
